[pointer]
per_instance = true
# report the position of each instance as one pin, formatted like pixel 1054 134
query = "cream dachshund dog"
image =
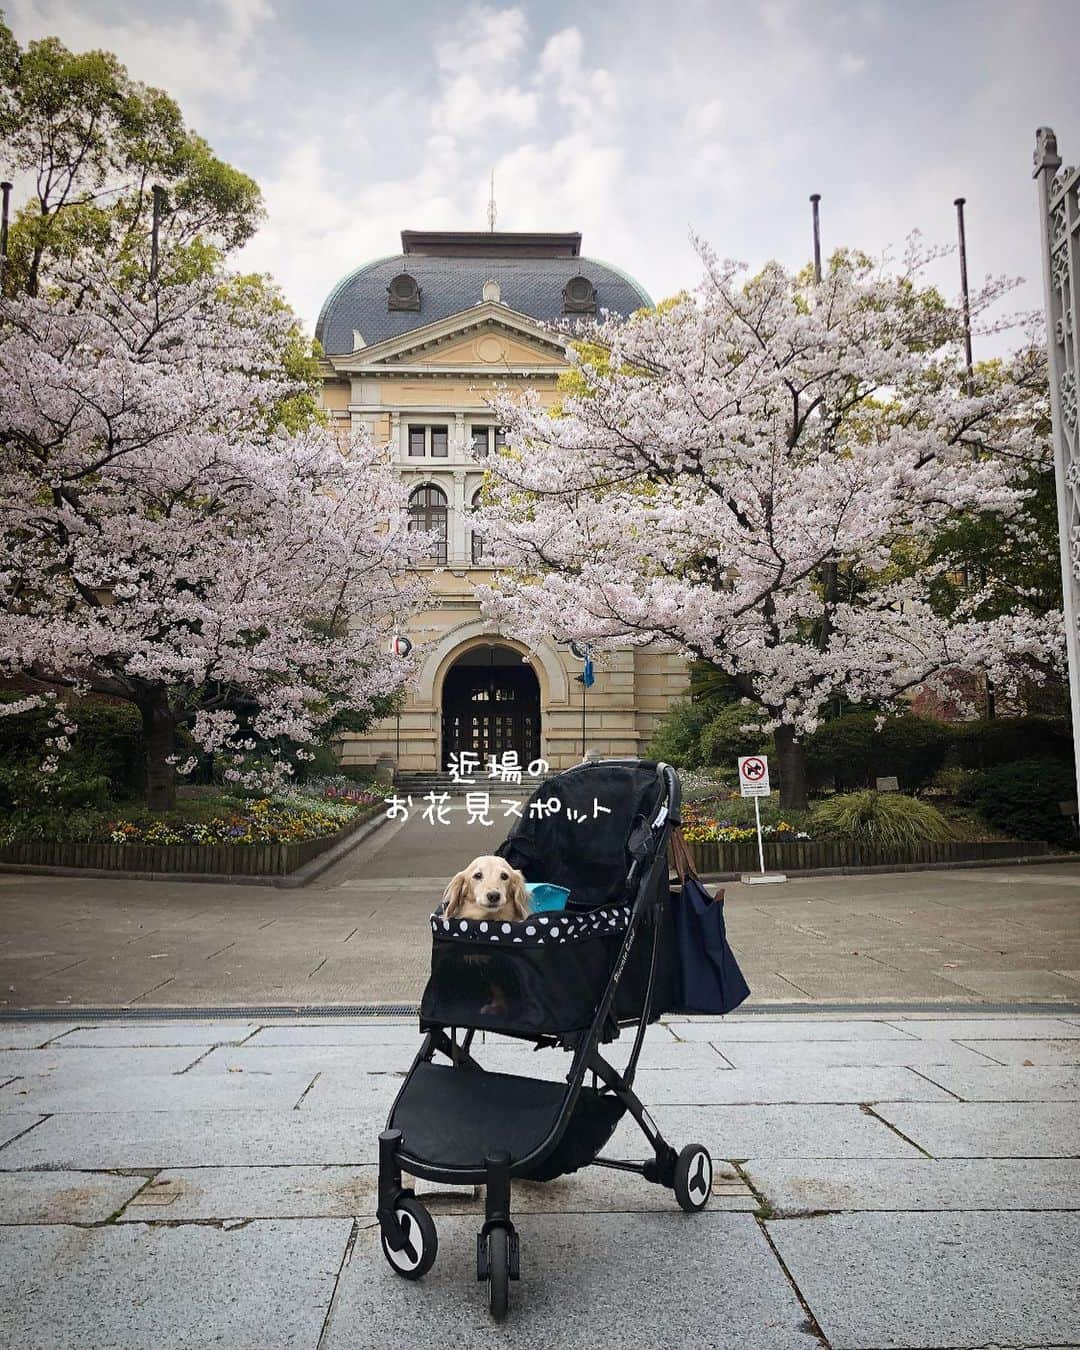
pixel 489 888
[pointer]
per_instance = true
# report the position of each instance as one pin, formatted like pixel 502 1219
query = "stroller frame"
pixel 407 1232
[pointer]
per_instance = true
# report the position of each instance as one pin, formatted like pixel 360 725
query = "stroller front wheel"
pixel 417 1256
pixel 693 1178
pixel 498 1259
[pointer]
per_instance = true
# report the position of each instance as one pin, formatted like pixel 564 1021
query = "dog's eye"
pixel 478 876
pixel 503 876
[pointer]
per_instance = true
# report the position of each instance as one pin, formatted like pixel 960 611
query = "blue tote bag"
pixel 709 978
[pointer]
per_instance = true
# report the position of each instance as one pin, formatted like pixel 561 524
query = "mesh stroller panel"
pixel 584 841
pixel 546 974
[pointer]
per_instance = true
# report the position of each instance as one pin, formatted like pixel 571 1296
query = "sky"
pixel 639 123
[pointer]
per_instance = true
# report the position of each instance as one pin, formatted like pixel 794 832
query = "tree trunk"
pixel 159 732
pixel 792 765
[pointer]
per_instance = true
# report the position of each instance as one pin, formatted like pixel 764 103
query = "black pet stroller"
pixel 569 979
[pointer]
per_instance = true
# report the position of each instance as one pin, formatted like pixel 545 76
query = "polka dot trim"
pixel 537 930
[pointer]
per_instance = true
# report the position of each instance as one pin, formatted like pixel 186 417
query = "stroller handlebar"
pixel 673 804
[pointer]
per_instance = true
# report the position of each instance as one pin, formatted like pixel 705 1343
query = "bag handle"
pixel 684 863
pixel 680 855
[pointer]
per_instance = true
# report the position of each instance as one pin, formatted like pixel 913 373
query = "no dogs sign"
pixel 754 776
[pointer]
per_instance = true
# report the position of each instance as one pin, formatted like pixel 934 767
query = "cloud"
pixel 199 59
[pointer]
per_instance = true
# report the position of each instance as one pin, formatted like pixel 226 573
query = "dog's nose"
pixel 494 897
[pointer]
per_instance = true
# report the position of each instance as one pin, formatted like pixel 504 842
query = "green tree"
pixel 93 143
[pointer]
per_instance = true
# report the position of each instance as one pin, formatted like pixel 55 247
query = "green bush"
pixel 888 819
pixel 108 744
pixel 850 752
pixel 1024 799
pixel 677 739
pixel 1005 740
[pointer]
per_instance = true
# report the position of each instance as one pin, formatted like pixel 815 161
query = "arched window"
pixel 579 296
pixel 427 511
pixel 478 547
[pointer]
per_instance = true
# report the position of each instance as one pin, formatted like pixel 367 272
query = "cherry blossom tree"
pixel 166 541
pixel 756 474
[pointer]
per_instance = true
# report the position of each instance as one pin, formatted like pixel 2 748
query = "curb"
pixel 290 881
pixel 876 869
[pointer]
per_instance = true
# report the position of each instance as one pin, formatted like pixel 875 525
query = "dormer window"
pixel 579 296
pixel 403 292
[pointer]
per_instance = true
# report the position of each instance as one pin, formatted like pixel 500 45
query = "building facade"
pixel 415 346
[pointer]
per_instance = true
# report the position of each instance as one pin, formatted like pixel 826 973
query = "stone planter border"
pixel 222 861
pixel 811 855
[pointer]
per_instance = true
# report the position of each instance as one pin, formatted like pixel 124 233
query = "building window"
pixel 477 537
pixel 500 439
pixel 403 293
pixel 417 436
pixel 480 440
pixel 579 296
pixel 428 512
pixel 440 442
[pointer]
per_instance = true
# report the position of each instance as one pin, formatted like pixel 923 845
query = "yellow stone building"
pixel 415 345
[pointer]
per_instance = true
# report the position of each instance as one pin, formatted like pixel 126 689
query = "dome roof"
pixel 451 279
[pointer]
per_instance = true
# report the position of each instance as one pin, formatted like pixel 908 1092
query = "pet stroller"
pixel 569 979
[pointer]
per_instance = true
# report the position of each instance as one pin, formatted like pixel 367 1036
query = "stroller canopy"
pixel 579 830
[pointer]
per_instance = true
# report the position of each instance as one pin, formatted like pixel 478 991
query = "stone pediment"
pixel 487 337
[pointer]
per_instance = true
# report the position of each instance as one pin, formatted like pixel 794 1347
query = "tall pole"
pixel 962 237
pixel 158 194
pixel 815 197
pixel 1061 275
pixel 969 382
pixel 5 188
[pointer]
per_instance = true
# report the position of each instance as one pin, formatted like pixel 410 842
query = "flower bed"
pixel 800 855
pixel 268 837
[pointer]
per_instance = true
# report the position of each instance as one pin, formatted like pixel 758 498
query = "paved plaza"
pixel 886 1182
pixel 358 933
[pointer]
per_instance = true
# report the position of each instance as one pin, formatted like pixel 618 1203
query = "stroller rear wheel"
pixel 421 1247
pixel 693 1178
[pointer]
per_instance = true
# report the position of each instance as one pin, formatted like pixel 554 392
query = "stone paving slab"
pixel 846 1184
pixel 160 1033
pixel 188 1092
pixel 784 1084
pixel 316 1192
pixel 266 1286
pixel 930 1027
pixel 779 1057
pixel 31 1035
pixel 987 1129
pixel 68 1067
pixel 672 1282
pixel 1009 1084
pixel 957 1280
pixel 699 1055
pixel 356 1060
pixel 340 1033
pixel 735 1132
pixel 150 1139
pixel 787 1029
pixel 63 1197
pixel 13 1123
pixel 1028 1052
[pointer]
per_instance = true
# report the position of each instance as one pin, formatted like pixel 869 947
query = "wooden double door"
pixel 488 710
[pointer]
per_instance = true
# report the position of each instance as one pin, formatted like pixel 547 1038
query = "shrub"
pixel 1024 799
pixel 1005 740
pixel 108 745
pixel 888 819
pixel 677 737
pixel 850 752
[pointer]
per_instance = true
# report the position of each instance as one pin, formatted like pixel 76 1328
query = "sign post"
pixel 401 646
pixel 754 782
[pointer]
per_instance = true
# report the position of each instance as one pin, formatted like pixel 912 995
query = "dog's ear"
pixel 517 895
pixel 454 895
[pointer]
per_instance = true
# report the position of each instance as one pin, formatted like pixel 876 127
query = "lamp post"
pixel 401 646
pixel 586 679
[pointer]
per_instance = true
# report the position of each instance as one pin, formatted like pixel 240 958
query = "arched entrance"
pixel 490 704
